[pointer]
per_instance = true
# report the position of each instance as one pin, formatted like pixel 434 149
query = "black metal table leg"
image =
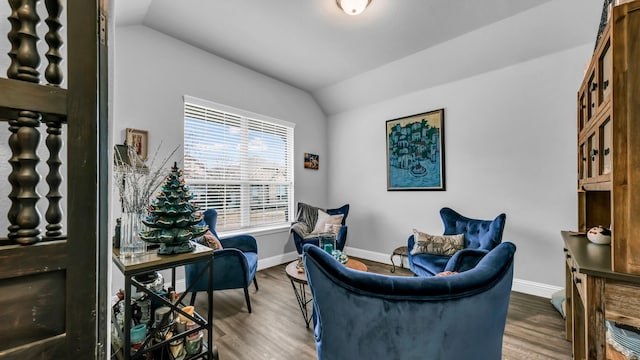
pixel 301 296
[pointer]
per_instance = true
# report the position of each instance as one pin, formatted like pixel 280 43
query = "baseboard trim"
pixel 277 260
pixel 534 288
pixel 375 256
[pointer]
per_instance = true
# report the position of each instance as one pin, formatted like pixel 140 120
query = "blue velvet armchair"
pixel 480 236
pixel 299 238
pixel 362 315
pixel 234 266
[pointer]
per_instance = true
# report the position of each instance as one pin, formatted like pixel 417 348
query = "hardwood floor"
pixel 276 330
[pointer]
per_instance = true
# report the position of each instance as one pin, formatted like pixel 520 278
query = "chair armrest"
pixel 243 242
pixel 465 259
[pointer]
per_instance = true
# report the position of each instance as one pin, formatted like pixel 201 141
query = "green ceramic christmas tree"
pixel 172 217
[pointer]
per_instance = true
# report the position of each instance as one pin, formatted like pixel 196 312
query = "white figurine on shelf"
pixel 599 235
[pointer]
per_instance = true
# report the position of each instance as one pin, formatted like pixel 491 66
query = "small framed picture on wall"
pixel 138 139
pixel 311 161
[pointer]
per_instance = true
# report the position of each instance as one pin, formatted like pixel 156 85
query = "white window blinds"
pixel 239 164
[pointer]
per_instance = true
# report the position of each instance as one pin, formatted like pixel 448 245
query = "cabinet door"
pixel 605 145
pixel 592 151
pixel 604 71
pixel 48 279
pixel 592 87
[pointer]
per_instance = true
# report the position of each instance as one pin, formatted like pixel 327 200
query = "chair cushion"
pixel 428 264
pixel 436 244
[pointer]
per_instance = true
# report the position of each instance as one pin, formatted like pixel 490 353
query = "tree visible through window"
pixel 238 163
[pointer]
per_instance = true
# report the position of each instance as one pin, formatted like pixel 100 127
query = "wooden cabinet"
pixel 602 281
pixel 594 294
pixel 609 138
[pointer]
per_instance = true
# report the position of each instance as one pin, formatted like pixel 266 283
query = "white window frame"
pixel 244 117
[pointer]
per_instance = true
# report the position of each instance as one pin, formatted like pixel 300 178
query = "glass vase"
pixel 327 242
pixel 131 244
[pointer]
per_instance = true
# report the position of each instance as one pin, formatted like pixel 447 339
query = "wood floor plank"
pixel 276 331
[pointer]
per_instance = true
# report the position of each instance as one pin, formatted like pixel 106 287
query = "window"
pixel 238 163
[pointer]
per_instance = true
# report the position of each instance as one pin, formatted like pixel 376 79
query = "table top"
pixel 356 265
pixel 301 277
pixel 150 260
pixel 593 259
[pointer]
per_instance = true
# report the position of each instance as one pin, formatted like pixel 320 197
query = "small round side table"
pixel 401 252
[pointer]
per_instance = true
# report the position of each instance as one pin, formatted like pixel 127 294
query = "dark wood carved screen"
pixel 48 258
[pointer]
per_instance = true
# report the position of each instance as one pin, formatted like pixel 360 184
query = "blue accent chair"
pixel 361 315
pixel 234 266
pixel 480 236
pixel 341 238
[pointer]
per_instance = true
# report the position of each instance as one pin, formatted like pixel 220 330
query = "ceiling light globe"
pixel 353 7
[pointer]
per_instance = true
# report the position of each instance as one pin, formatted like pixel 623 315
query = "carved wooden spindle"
pixel 54 179
pixel 12 70
pixel 53 73
pixel 12 73
pixel 23 215
pixel 14 145
pixel 27 56
pixel 28 216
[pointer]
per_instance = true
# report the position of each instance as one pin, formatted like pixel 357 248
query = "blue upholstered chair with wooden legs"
pixel 480 236
pixel 360 315
pixel 234 266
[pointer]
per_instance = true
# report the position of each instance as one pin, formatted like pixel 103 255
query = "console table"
pixel 594 294
pixel 151 261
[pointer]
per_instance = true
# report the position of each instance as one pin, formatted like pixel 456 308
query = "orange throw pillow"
pixel 446 273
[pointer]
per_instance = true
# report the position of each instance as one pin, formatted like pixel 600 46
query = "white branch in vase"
pixel 138 180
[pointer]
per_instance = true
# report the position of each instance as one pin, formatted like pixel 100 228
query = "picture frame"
pixel 415 152
pixel 139 140
pixel 311 161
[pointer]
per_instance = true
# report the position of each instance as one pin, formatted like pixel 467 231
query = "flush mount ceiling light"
pixel 353 7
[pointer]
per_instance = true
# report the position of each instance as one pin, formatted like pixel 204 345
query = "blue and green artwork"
pixel 415 152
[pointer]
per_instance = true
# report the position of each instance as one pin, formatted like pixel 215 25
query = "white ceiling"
pixel 311 44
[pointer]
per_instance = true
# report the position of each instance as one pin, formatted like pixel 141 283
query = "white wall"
pixel 154 71
pixel 510 145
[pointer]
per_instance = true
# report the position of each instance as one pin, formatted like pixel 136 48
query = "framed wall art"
pixel 311 161
pixel 139 140
pixel 415 152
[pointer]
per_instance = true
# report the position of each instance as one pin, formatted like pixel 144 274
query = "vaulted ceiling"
pixel 312 45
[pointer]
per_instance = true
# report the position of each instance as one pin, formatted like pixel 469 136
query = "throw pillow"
pixel 324 218
pixel 210 240
pixel 436 244
pixel 446 273
pixel 332 228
